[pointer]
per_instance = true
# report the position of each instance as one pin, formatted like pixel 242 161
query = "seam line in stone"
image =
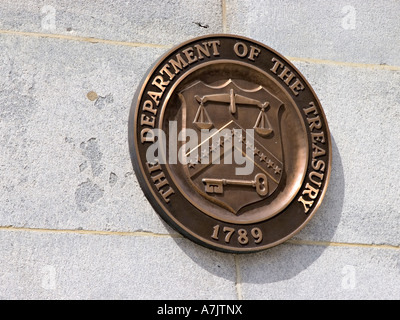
pixel 177 235
pixel 152 45
pixel 238 279
pixel 83 39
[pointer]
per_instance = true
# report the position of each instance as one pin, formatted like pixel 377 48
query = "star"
pixel 270 164
pixel 204 153
pixel 249 145
pixel 277 170
pixel 263 157
pixel 193 161
pixel 214 146
pixel 238 135
pixel 227 137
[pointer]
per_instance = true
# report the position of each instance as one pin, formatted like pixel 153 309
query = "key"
pixel 217 185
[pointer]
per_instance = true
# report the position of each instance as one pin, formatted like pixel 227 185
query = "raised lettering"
pixel 318 165
pixel 296 87
pixel 160 181
pixel 307 204
pixel 286 75
pixel 153 166
pixel 202 50
pixel 147 121
pixel 312 109
pixel 317 151
pixel 254 52
pixel 317 174
pixel 190 55
pixel 316 177
pixel 277 64
pixel 240 49
pixel 214 45
pixel 166 194
pixel 310 191
pixel 318 137
pixel 179 64
pixel 315 123
pixel 148 106
pixel 165 69
pixel 160 83
pixel 155 96
pixel 147 135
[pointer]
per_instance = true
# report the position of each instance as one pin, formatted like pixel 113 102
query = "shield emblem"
pixel 232 107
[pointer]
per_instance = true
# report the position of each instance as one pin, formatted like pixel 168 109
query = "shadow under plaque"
pixel 286 260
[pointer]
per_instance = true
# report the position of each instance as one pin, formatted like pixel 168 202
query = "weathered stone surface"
pixel 65 165
pixel 317 272
pixel 61 152
pixel 353 31
pixel 157 22
pixel 87 266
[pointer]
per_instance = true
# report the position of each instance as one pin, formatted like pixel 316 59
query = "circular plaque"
pixel 230 143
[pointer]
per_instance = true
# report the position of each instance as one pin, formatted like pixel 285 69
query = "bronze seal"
pixel 229 143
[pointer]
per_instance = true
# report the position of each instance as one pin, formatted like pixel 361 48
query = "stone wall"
pixel 74 223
